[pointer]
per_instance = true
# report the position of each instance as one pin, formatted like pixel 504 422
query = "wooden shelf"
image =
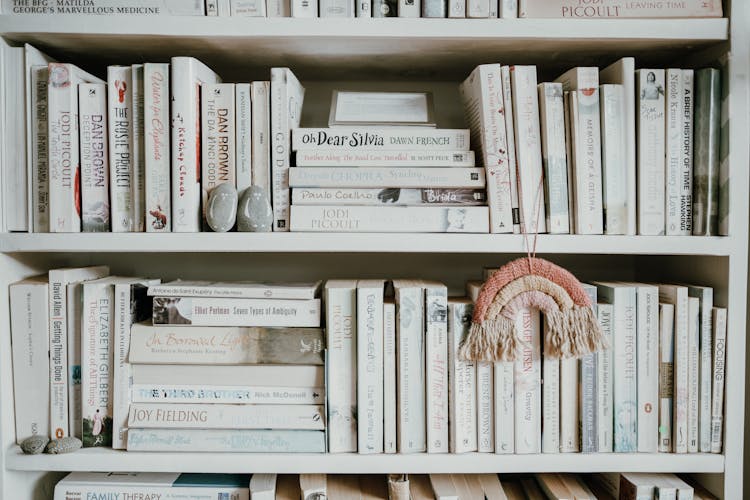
pixel 107 460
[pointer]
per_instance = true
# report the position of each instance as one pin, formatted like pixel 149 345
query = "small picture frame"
pixel 401 109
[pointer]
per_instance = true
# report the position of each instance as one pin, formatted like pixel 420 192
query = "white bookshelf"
pixel 387 54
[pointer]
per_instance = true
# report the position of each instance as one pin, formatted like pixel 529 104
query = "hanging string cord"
pixel 531 249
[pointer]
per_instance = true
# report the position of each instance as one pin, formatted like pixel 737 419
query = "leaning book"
pixel 209 311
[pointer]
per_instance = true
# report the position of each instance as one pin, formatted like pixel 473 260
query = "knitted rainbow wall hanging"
pixel 572 328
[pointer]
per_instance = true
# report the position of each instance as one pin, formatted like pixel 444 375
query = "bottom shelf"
pixel 108 460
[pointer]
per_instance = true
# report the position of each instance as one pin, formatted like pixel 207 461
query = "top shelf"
pixel 359 48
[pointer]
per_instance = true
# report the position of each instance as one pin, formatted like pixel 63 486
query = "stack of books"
pixel 387 179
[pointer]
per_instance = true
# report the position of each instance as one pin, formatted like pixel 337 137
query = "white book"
pixel 286 107
pixel 280 376
pixel 14 154
pixel 409 8
pixel 336 8
pixel 482 97
pixel 478 8
pixel 443 487
pixel 94 156
pixel 625 388
pixel 693 360
pixel 622 72
pixel 485 407
pixel 666 376
pixel 683 490
pixel 226 394
pixel 279 8
pixel 574 9
pixel 248 8
pixel 390 219
pixel 225 416
pixel 605 376
pixel 63 145
pixel 569 409
pixel 380 138
pixel 224 8
pixel 304 8
pixel 550 405
pixel 388 196
pixel 510 136
pixel 677 296
pixel 261 148
pixel 392 177
pixel 665 490
pixel 341 323
pixel 508 9
pixel 188 74
pixel 686 163
pixel 217 138
pixel 674 119
pixel 156 142
pixel 705 373
pixel 139 153
pixel 552 120
pixel 588 389
pixel 612 103
pixel 243 141
pixel 456 8
pixel 462 399
pixel 410 361
pixel 263 487
pixel 528 149
pixel 370 366
pixel 528 380
pixel 237 289
pixel 648 367
pixel 494 7
pixel 363 8
pixel 580 78
pixel 717 388
pixel 120 111
pixel 59 315
pixel 375 158
pixel 436 366
pixel 389 376
pixel 651 151
pixel 39 150
pixel 212 8
pixel 227 440
pixel 30 341
pixel 504 408
pixel 75 311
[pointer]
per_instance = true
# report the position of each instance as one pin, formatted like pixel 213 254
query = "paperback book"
pixel 214 311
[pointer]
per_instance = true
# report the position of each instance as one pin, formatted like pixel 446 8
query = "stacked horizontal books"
pixel 386 179
pixel 234 367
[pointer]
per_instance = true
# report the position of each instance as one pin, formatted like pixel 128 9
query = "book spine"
pixel 119 109
pixel 375 158
pixel 98 488
pixel 569 406
pixel 550 405
pixel 395 177
pixel 409 8
pixel 74 312
pixel 64 167
pixel 248 8
pixel 433 8
pixel 725 62
pixel 528 149
pixel 337 8
pixel 213 311
pixel 693 361
pixel 588 403
pixel 370 367
pixel 508 9
pixel 279 8
pixel 456 8
pixel 674 148
pixel 156 141
pixel 552 116
pixel 212 8
pixel 528 383
pixel 341 323
pixel 92 124
pixel 625 372
pixel 389 377
pixel 681 368
pixel 411 424
pixel 666 376
pixel 380 139
pixel 105 7
pixel 504 409
pixel 478 9
pixel 574 9
pixel 648 368
pixel 390 219
pixel 462 399
pixel 96 364
pixel 588 167
pixel 686 157
pixel 494 7
pixel 243 136
pixel 705 295
pixel 604 389
pixel 436 353
pixel 218 138
pixel 707 138
pixel 261 152
pixel 224 416
pixel 138 152
pixel 58 355
pixel 363 8
pixel 39 150
pixel 121 376
pixel 717 396
pixel 29 306
pixel 614 159
pixel 233 441
pixel 230 394
pixel 304 8
pixel 485 407
pixel 651 151
pixel 511 141
pixel 388 196
pixel 240 290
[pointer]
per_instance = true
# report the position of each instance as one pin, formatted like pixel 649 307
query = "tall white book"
pixel 436 361
pixel 188 74
pixel 479 9
pixel 286 107
pixel 217 138
pixel 156 142
pixel 482 97
pixel 94 156
pixel 528 149
pixel 528 383
pixel 612 102
pixel 550 405
pixel 485 407
pixel 29 330
pixel 693 360
pixel 462 399
pixel 552 120
pixel 279 8
pixel 705 372
pixel 39 150
pixel 674 119
pixel 456 8
pixel 389 376
pixel 63 146
pixel 337 8
pixel 409 8
pixel 410 336
pixel 510 136
pixel 15 201
pixel 651 151
pixel 261 129
pixel 304 8
pixel 569 407
pixel 605 377
pixel 120 102
pixel 587 390
pixel 508 9
pixel 243 141
pixel 505 415
pixel 677 296
pixel 666 376
pixel 622 72
pixel 717 388
pixel 648 367
pixel 370 366
pixel 341 322
pixel 139 153
pixel 686 172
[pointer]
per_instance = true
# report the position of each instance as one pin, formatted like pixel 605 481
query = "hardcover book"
pixel 214 311
pixel 156 142
pixel 370 366
pixel 706 165
pixel 92 126
pixel 138 152
pixel 386 177
pixel 651 153
pixel 386 139
pixel 436 356
pixel 570 415
pixel 619 8
pixel 693 360
pixel 462 399
pixel 375 158
pixel 237 289
pixel 120 109
pixel 227 440
pixel 389 196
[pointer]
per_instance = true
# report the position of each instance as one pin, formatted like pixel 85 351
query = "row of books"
pixel 375 8
pixel 550 486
